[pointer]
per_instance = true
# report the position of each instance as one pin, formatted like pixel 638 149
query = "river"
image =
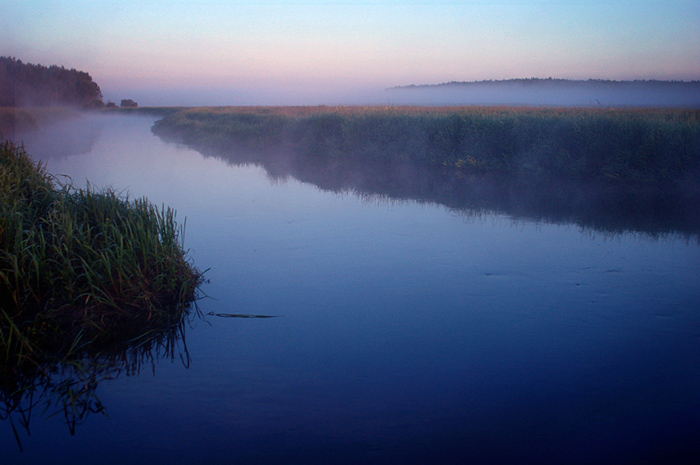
pixel 404 331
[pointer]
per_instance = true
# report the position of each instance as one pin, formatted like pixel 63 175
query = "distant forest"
pixel 26 84
pixel 537 91
pixel 551 82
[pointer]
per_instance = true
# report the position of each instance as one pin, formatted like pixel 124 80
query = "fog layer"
pixel 551 92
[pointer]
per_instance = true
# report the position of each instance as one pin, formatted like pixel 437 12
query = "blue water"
pixel 406 332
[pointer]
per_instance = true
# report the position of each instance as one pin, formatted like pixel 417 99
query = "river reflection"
pixel 408 331
pixel 67 387
pixel 597 206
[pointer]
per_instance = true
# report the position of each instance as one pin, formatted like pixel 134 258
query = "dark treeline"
pixel 26 84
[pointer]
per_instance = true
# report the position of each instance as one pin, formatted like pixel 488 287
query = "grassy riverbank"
pixel 82 270
pixel 615 146
pixel 613 170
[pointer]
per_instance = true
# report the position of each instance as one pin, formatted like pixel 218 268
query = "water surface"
pixel 407 332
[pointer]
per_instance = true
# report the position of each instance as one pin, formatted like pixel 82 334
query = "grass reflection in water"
pixel 91 284
pixel 68 388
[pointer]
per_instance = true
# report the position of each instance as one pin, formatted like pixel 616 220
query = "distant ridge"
pixel 554 81
pixel 551 91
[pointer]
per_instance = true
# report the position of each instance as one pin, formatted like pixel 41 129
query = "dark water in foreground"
pixel 408 333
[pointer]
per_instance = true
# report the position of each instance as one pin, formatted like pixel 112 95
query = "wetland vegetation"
pixel 88 278
pixel 616 169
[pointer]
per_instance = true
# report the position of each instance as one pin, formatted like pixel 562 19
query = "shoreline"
pixel 614 170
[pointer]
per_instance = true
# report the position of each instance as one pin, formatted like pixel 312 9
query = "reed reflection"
pixel 66 387
pixel 592 206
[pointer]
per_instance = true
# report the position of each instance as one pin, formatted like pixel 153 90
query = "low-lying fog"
pixel 550 92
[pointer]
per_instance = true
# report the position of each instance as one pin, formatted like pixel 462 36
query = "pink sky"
pixel 213 52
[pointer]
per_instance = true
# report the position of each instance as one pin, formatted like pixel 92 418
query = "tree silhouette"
pixel 26 84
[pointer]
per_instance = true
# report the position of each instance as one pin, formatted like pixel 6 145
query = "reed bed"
pixel 82 270
pixel 615 170
pixel 627 146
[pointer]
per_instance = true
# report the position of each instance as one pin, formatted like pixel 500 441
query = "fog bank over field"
pixel 548 92
pixel 551 92
pixel 251 95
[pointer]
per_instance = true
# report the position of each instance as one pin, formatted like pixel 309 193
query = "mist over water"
pixel 509 92
pixel 587 205
pixel 308 94
pixel 75 134
pixel 408 332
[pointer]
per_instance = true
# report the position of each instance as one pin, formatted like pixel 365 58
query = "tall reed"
pixel 628 146
pixel 81 268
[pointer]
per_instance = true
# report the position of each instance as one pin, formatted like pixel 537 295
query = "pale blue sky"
pixel 224 52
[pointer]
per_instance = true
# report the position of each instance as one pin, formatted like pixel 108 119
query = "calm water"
pixel 407 332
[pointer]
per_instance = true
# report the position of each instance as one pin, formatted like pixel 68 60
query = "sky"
pixel 213 52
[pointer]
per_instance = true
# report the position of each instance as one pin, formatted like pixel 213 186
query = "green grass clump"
pixel 82 270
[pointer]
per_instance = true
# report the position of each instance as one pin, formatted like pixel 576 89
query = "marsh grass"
pixel 630 146
pixel 610 169
pixel 81 270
